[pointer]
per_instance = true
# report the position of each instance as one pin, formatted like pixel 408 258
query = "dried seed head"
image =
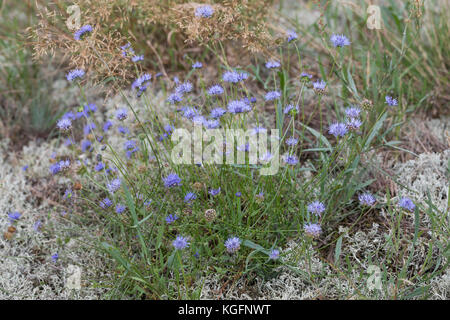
pixel 198 186
pixel 187 211
pixel 210 215
pixel 366 104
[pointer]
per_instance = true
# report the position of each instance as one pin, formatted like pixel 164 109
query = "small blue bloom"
pixel 180 243
pixel 338 129
pixel 99 166
pixel 114 185
pixel 291 35
pixel 137 58
pixel 316 208
pixel 391 101
pixel 312 229
pixel 339 40
pixel 233 244
pixel 272 95
pixel 78 35
pixel 105 203
pixel 189 197
pixel 290 109
pixel 108 124
pixel 238 106
pixel 120 208
pixel 55 257
pixel 197 65
pixel 271 64
pixel 64 124
pixel 217 112
pixel 85 145
pixel 407 204
pixel 75 74
pixel 172 180
pixel 205 11
pixel 171 218
pixel 234 77
pixel 366 199
pixel 215 90
pixel 14 216
pixel 121 114
pixel 274 254
pixel 291 160
pixel 214 192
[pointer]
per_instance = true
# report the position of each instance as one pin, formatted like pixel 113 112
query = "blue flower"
pixel 290 109
pixel 234 77
pixel 78 35
pixel 189 197
pixel 305 77
pixel 105 203
pixel 391 101
pixel 64 124
pixel 291 160
pixel 141 82
pixel 312 229
pixel 126 48
pixel 407 204
pixel 338 129
pixel 114 185
pixel 316 208
pixel 205 11
pixel 215 90
pixel 319 86
pixel 183 88
pixel 75 74
pixel 137 58
pixel 366 199
pixel 174 98
pixel 180 243
pixel 99 166
pixel 171 218
pixel 238 194
pixel 292 35
pixel 274 254
pixel 211 124
pixel 272 95
pixel 108 124
pixel 55 168
pixel 120 208
pixel 197 65
pixel 353 123
pixel 291 141
pixel 233 244
pixel 123 130
pixel 339 40
pixel 172 180
pixel 55 257
pixel 217 112
pixel 352 112
pixel 238 106
pixel 14 216
pixel 214 192
pixel 271 64
pixel 85 145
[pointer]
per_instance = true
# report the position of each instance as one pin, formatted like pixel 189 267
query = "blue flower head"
pixel 338 129
pixel 197 65
pixel 339 40
pixel 172 180
pixel 80 33
pixel 233 244
pixel 407 204
pixel 312 229
pixel 391 101
pixel 180 243
pixel 205 11
pixel 75 74
pixel 316 208
pixel 366 199
pixel 215 90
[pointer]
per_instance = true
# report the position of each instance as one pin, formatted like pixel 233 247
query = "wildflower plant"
pixel 173 216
